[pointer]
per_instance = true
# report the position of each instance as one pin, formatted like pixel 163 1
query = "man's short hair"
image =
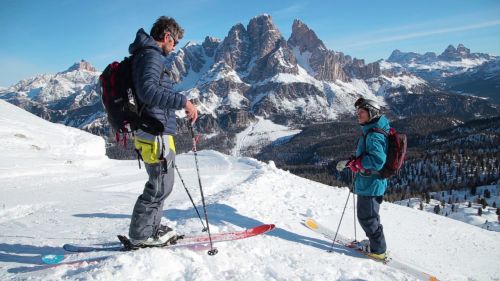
pixel 163 25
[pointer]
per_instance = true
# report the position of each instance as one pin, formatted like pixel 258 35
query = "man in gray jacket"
pixel 153 87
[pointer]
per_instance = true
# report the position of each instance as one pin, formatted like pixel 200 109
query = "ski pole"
pixel 338 227
pixel 191 198
pixel 213 251
pixel 354 203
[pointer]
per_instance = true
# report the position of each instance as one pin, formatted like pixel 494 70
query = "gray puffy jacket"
pixel 152 82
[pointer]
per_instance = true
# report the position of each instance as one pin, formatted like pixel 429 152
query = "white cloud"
pixel 371 39
pixel 289 11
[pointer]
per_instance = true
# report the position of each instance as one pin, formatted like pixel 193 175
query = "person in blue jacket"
pixel 370 157
pixel 153 86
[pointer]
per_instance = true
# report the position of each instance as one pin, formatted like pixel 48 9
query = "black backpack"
pixel 397 144
pixel 124 110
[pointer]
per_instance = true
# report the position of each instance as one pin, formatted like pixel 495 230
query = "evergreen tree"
pixel 422 206
pixel 470 205
pixel 487 194
pixel 437 209
pixel 473 189
pixel 484 203
pixel 479 211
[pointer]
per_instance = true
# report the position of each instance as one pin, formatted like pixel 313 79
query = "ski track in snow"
pixel 89 199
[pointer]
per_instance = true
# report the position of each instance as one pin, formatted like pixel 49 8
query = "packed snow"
pixel 58 187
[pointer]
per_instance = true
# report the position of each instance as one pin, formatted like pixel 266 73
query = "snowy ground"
pixel 57 187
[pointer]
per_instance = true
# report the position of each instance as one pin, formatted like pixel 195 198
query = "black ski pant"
pixel 148 208
pixel 368 216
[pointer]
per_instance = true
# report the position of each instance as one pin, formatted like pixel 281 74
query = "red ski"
pixel 197 242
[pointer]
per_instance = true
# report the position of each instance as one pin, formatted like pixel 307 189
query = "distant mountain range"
pixel 456 70
pixel 255 71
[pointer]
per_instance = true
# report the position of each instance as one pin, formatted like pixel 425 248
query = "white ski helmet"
pixel 374 110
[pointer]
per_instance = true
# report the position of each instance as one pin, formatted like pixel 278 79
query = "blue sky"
pixel 46 36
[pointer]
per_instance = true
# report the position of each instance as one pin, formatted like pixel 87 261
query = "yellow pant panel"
pixel 150 149
pixel 171 144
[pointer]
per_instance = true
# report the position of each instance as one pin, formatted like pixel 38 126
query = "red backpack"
pixel 124 110
pixel 397 144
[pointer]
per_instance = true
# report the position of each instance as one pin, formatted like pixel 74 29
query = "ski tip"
pixel 311 224
pixel 261 229
pixel 52 259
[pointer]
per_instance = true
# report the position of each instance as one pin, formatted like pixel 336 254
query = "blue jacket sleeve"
pixel 149 68
pixel 376 154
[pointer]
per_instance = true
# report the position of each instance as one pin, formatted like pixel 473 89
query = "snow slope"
pixel 51 196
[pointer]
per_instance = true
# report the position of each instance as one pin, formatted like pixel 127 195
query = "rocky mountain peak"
pixel 463 51
pixel 304 38
pixel 82 65
pixel 263 34
pixel 455 54
pixel 235 48
pixel 210 44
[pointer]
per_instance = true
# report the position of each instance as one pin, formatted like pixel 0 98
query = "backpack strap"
pixel 373 130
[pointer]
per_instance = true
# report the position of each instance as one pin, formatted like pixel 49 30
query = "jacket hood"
pixel 142 40
pixel 382 122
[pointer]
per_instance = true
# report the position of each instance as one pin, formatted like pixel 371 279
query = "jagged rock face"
pixel 453 54
pixel 304 38
pixel 289 103
pixel 328 66
pixel 264 36
pixel 210 45
pixel 279 60
pixel 235 49
pixel 358 69
pixel 320 62
pixel 190 58
pixel 257 52
pixel 324 64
